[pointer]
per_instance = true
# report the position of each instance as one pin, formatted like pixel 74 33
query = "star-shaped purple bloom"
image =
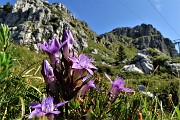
pixel 45 108
pixel 83 63
pixel 87 86
pixel 117 87
pixel 67 44
pixel 51 47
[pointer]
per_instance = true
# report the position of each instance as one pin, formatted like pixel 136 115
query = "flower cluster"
pixel 68 75
pixel 65 75
pixel 47 108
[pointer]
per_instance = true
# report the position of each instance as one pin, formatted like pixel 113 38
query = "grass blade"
pixel 22 107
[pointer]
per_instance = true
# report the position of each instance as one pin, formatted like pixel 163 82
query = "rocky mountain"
pixel 33 21
pixel 142 36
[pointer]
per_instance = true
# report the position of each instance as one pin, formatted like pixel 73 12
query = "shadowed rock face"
pixel 33 21
pixel 142 36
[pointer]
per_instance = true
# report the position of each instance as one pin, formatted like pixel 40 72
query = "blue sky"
pixel 104 15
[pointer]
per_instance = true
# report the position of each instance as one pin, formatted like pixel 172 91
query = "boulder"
pixel 175 67
pixel 131 68
pixel 142 64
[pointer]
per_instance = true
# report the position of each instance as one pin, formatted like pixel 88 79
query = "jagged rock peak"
pixel 137 31
pixel 38 4
pixel 26 4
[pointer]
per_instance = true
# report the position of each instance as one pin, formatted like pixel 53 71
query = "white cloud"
pixel 159 5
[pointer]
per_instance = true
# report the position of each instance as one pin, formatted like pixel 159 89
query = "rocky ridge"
pixel 142 36
pixel 33 21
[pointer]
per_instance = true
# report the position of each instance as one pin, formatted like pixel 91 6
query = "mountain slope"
pixel 142 36
pixel 34 21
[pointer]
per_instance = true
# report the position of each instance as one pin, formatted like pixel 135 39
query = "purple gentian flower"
pixel 50 79
pixel 47 72
pixel 46 108
pixel 116 88
pixel 67 44
pixel 51 47
pixel 83 63
pixel 87 86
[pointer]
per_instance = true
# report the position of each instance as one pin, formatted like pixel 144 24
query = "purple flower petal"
pixel 87 77
pixel 83 57
pixel 87 86
pixel 47 104
pixel 36 112
pixel 52 48
pixel 68 38
pixel 73 59
pixel 47 72
pixel 63 44
pixel 35 105
pixel 76 66
pixel 60 104
pixel 119 82
pixel 44 48
pixel 92 85
pixel 127 90
pixel 55 46
pixel 90 65
pixel 90 71
pixel 55 112
pixel 83 62
pixel 91 82
pixel 71 39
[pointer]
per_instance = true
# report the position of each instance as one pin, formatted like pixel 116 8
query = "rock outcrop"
pixel 174 67
pixel 131 68
pixel 142 64
pixel 142 36
pixel 33 21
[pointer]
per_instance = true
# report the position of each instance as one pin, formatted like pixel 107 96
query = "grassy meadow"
pixel 22 83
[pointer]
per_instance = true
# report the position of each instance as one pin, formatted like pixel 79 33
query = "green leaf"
pixel 178 112
pixel 97 110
